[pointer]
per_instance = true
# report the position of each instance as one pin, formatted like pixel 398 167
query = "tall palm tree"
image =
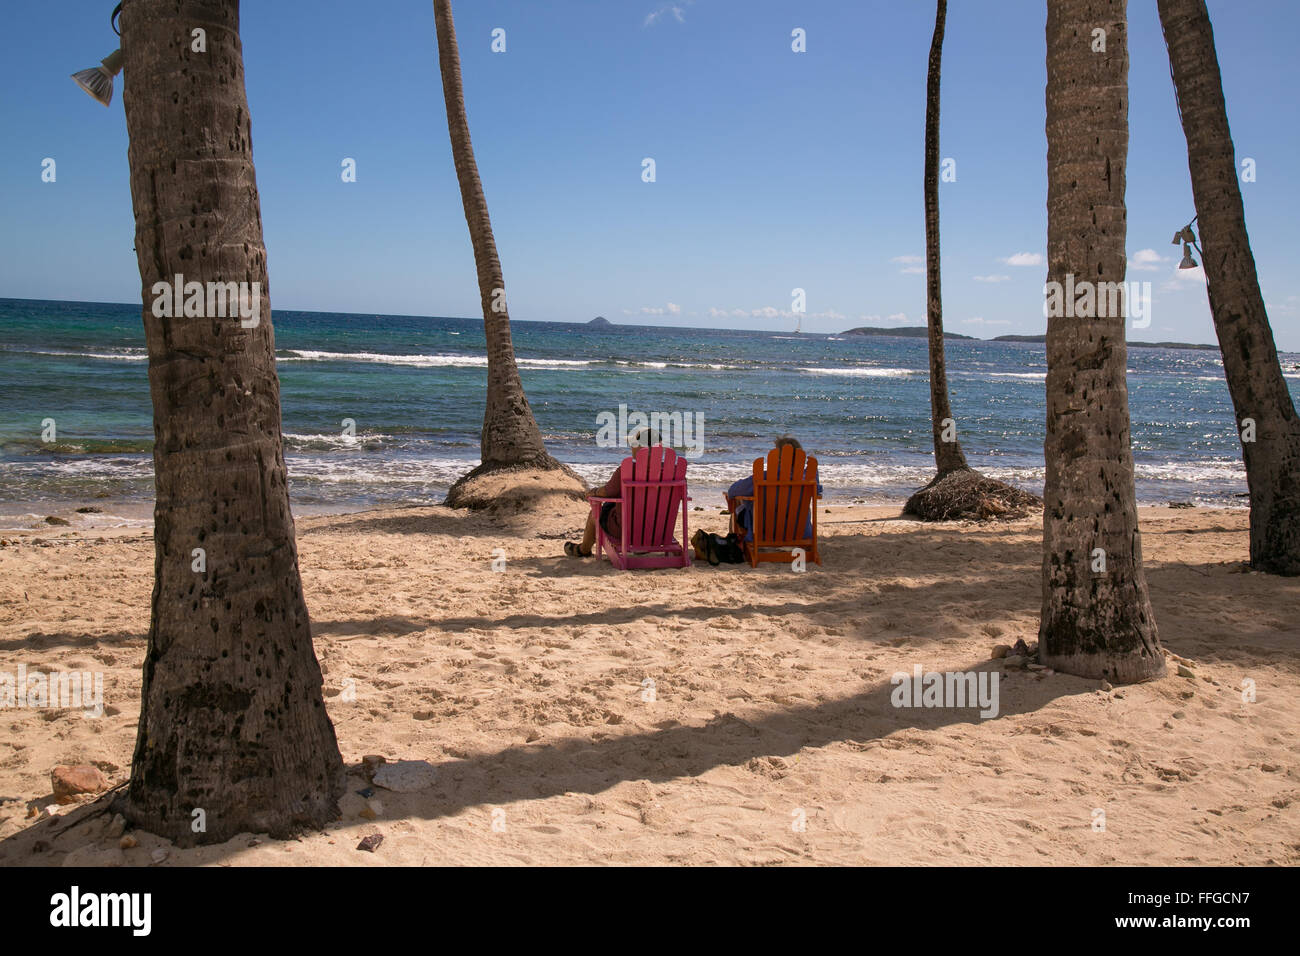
pixel 510 438
pixel 1255 381
pixel 232 721
pixel 948 455
pixel 957 490
pixel 1096 618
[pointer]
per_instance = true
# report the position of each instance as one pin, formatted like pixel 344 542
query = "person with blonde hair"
pixel 743 510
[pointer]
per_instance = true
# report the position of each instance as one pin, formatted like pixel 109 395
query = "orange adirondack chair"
pixel 785 491
pixel 654 488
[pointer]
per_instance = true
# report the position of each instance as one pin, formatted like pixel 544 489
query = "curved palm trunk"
pixel 232 721
pixel 510 437
pixel 948 455
pixel 1096 619
pixel 957 491
pixel 1255 381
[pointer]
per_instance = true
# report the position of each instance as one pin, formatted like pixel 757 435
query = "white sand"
pixel 772 703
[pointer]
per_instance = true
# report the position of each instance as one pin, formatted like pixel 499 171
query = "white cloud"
pixel 912 271
pixel 1184 279
pixel 674 8
pixel 1146 260
pixel 1024 259
pixel 907 260
pixel 980 320
pixel 770 312
pixel 994 278
pixel 897 317
pixel 672 308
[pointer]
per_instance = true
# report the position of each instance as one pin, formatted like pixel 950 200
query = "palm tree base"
pixel 1275 521
pixel 156 810
pixel 1116 668
pixel 520 487
pixel 965 494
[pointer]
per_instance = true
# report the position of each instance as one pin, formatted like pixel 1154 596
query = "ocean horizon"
pixel 383 410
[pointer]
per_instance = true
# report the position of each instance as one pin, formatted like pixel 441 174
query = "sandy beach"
pixel 767 735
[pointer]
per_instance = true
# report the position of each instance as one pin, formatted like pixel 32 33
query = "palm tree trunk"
pixel 1096 618
pixel 948 455
pixel 510 436
pixel 957 491
pixel 1255 381
pixel 232 722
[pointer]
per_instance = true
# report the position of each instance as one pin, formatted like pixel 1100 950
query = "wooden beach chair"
pixel 785 491
pixel 654 489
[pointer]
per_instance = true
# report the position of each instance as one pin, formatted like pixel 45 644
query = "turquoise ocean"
pixel 414 388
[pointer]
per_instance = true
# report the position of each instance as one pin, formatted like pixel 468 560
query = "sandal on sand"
pixel 705 547
pixel 699 547
pixel 574 550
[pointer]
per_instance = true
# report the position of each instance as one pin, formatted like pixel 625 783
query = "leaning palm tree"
pixel 1096 618
pixel 233 734
pixel 957 491
pixel 510 439
pixel 1255 381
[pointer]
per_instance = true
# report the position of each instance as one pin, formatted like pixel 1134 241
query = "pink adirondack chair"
pixel 654 488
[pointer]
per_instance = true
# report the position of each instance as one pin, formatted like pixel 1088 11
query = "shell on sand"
pixel 406 776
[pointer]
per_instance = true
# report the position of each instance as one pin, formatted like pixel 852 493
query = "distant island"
pixel 1040 339
pixel 921 332
pixel 906 331
pixel 600 320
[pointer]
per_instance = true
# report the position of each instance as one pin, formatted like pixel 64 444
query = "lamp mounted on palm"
pixel 98 80
pixel 1188 239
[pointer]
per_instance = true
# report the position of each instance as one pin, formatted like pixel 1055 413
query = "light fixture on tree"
pixel 98 80
pixel 1188 239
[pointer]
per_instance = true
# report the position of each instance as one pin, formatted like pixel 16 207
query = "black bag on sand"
pixel 717 549
pixel 729 549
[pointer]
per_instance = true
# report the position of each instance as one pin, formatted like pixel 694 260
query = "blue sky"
pixel 775 170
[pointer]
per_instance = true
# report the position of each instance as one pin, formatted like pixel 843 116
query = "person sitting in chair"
pixel 744 488
pixel 610 512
